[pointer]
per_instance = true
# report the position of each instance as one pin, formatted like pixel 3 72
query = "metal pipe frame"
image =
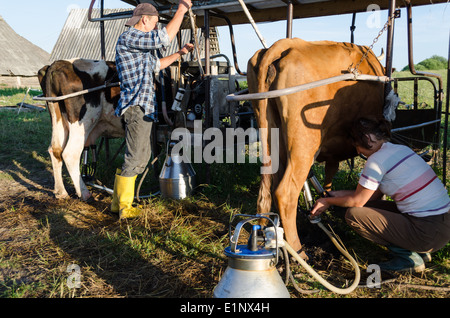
pixel 102 31
pixel 410 49
pixel 75 94
pixel 233 44
pixel 440 87
pixel 290 16
pixel 416 79
pixel 416 126
pixel 240 96
pixel 444 167
pixel 272 94
pixel 390 39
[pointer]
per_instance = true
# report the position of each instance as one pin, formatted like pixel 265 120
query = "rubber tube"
pixel 319 278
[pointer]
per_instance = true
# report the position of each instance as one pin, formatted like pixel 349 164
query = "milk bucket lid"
pixel 242 251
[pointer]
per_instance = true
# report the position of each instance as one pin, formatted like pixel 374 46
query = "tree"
pixel 433 63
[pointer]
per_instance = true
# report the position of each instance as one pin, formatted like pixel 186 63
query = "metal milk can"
pixel 177 177
pixel 251 271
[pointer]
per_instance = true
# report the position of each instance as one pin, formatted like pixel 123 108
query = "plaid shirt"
pixel 136 65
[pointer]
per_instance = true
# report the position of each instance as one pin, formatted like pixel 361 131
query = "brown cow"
pixel 78 121
pixel 313 123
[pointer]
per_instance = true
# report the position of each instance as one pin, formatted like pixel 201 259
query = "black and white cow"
pixel 78 121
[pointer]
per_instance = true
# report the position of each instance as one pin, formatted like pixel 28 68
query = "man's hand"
pixel 187 4
pixel 186 49
pixel 174 25
pixel 321 206
pixel 168 60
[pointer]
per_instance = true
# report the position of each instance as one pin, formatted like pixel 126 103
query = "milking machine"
pixel 251 271
pixel 317 221
pixel 88 167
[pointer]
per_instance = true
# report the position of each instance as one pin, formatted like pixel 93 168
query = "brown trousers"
pixel 382 223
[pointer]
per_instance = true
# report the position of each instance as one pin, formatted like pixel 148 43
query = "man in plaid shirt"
pixel 136 63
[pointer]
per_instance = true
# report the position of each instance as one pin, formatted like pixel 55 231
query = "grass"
pixel 425 88
pixel 10 96
pixel 175 249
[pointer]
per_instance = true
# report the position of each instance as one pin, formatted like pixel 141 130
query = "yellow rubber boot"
pixel 125 197
pixel 115 200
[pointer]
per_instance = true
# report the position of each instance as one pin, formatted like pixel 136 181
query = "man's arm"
pixel 174 25
pixel 168 60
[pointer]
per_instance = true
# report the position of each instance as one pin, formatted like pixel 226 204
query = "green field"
pixel 425 88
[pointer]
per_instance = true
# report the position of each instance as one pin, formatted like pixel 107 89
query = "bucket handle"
pixel 234 238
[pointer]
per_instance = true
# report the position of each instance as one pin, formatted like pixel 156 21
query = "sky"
pixel 41 22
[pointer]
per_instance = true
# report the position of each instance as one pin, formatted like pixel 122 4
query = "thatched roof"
pixel 19 57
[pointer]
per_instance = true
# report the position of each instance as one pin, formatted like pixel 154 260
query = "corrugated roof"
pixel 80 38
pixel 19 56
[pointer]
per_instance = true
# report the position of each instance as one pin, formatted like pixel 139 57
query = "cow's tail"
pixel 56 145
pixel 261 72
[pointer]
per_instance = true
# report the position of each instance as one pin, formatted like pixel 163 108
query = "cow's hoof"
pixel 301 252
pixel 303 255
pixel 61 195
pixel 87 197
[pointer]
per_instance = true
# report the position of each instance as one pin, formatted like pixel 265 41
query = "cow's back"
pixel 325 111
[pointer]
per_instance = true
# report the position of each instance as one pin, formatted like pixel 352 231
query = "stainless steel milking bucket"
pixel 251 271
pixel 177 178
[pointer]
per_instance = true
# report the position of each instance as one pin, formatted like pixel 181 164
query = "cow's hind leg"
pixel 300 157
pixel 72 154
pixel 286 195
pixel 59 189
pixel 59 137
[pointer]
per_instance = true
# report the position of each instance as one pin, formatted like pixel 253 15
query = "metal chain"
pixel 355 70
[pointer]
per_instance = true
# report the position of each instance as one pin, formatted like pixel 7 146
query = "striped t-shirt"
pixel 407 179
